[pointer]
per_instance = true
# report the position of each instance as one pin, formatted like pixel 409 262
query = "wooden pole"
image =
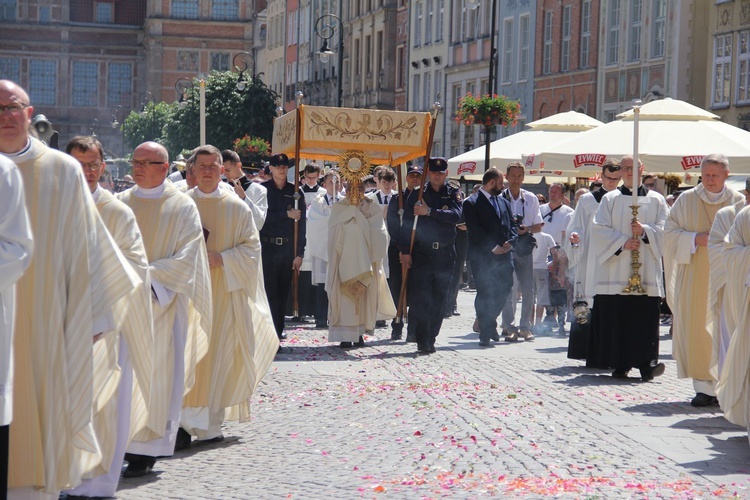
pixel 298 136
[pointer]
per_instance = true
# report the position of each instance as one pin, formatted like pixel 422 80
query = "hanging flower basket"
pixel 251 149
pixel 487 110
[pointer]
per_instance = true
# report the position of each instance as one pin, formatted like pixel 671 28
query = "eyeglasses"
pixel 92 165
pixel 626 169
pixel 145 163
pixel 650 185
pixel 14 107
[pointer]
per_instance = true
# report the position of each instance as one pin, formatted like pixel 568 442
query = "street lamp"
pixel 181 86
pixel 244 61
pixel 473 5
pixel 326 30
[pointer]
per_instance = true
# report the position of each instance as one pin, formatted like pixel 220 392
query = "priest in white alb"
pixel 126 355
pixel 15 254
pixel 687 270
pixel 733 387
pixel 181 298
pixel 243 339
pixel 64 303
pixel 627 324
pixel 358 293
pixel 720 319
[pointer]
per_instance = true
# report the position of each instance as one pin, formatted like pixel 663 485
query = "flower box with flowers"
pixel 487 110
pixel 251 149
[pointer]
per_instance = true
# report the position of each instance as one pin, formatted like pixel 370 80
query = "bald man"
pixel 65 302
pixel 181 298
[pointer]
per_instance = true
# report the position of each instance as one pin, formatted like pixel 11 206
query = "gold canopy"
pixel 389 137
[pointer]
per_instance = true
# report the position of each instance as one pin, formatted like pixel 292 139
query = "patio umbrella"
pixel 538 135
pixel 674 137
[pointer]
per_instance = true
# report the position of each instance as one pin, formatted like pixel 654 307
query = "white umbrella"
pixel 674 137
pixel 538 135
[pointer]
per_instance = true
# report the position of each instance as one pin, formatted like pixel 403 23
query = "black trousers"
pixel 494 282
pixel 429 280
pixel 321 305
pixel 4 445
pixel 277 278
pixel 306 296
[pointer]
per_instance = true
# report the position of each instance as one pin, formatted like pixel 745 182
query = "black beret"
pixel 279 160
pixel 438 165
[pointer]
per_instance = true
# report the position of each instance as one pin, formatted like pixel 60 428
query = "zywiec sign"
pixel 593 159
pixel 691 162
pixel 467 167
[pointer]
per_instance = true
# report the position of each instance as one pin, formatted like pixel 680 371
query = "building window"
pixel 658 28
pixel 119 84
pixel 85 83
pixel 547 56
pixel 456 96
pixel 104 12
pixel 610 115
pixel 187 60
pixel 185 9
pixel 43 82
pixel 585 34
pixel 10 69
pixel 416 84
pixel 8 10
pixel 45 15
pixel 613 33
pixel 524 36
pixel 440 20
pixel 565 48
pixel 743 68
pixel 225 10
pixel 400 67
pixel 429 26
pixel 722 69
pixel 634 38
pixel 220 61
pixel 508 51
pixel 418 24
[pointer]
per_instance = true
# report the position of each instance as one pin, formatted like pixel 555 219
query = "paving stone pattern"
pixel 511 421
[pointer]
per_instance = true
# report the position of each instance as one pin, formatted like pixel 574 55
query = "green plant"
pixel 251 146
pixel 487 110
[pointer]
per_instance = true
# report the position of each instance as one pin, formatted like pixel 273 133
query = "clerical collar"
pixel 151 193
pixel 714 197
pixel 23 150
pixel 96 193
pixel 213 194
pixel 642 190
pixel 599 194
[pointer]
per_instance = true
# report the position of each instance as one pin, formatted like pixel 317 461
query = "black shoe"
pixel 652 371
pixel 425 348
pixel 282 336
pixel 456 313
pixel 485 343
pixel 138 465
pixel 395 335
pixel 360 342
pixel 622 374
pixel 183 440
pixel 380 323
pixel 702 399
pixel 321 325
pixel 217 439
pixel 346 345
pixel 411 338
pixel 495 337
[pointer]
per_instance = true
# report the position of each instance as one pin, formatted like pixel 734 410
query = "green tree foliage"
pixel 146 125
pixel 229 113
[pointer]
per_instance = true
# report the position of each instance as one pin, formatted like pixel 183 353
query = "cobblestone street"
pixel 515 420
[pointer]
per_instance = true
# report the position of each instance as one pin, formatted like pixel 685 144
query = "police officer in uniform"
pixel 434 253
pixel 280 258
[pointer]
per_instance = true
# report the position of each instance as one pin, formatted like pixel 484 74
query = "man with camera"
pixel 525 209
